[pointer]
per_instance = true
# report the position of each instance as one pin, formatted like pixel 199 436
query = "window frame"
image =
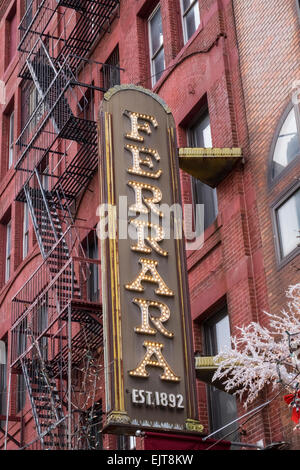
pixel 272 181
pixel 25 230
pixel 22 344
pixel 209 342
pixel 90 246
pixel 11 123
pixel 280 200
pixel 208 327
pixel 3 381
pixel 30 101
pixel 152 55
pixel 8 252
pixel 11 29
pixel 200 116
pixel 183 19
pixel 112 77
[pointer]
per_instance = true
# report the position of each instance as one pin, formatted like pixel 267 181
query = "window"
pixel 21 348
pixel 25 231
pixel 30 99
pixel 222 406
pixel 156 42
pixel 87 106
pixel 40 323
pixel 11 34
pixel 28 12
pixel 284 156
pixel 287 146
pixel 190 17
pixel 8 252
pixel 3 378
pixel 91 250
pixel 200 136
pixel 111 70
pixel 287 225
pixel 11 140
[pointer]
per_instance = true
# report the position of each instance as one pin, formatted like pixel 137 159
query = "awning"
pixel 164 441
pixel 205 369
pixel 209 165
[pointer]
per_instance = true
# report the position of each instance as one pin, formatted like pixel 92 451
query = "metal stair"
pixel 50 192
pixel 45 401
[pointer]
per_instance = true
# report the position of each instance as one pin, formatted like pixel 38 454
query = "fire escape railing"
pixel 56 315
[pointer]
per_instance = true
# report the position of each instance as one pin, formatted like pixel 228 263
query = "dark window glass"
pixel 30 101
pixel 22 345
pixel 12 34
pixel 3 379
pixel 91 250
pixel 25 230
pixel 200 136
pixel 11 139
pixel 156 41
pixel 41 320
pixel 28 14
pixel 111 70
pixel 190 17
pixel 222 406
pixel 8 252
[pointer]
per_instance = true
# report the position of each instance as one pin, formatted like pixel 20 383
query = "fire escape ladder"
pixel 32 401
pixel 46 222
pixel 58 306
pixel 44 399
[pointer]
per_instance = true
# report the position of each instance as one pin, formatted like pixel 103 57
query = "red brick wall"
pixel 268 68
pixel 237 262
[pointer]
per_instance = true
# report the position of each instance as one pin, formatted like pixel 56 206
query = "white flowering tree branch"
pixel 262 356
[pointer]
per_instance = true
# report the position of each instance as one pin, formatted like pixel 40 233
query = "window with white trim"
pixel 156 44
pixel 190 17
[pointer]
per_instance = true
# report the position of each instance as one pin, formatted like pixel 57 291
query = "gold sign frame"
pixel 148 361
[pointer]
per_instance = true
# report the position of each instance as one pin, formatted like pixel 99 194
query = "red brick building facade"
pixel 228 71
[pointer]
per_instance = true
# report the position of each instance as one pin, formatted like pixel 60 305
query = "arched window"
pixel 287 145
pixel 285 154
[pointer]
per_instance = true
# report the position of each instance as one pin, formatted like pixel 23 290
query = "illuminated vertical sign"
pixel 149 362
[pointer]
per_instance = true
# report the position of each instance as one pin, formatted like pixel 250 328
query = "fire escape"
pixel 56 330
